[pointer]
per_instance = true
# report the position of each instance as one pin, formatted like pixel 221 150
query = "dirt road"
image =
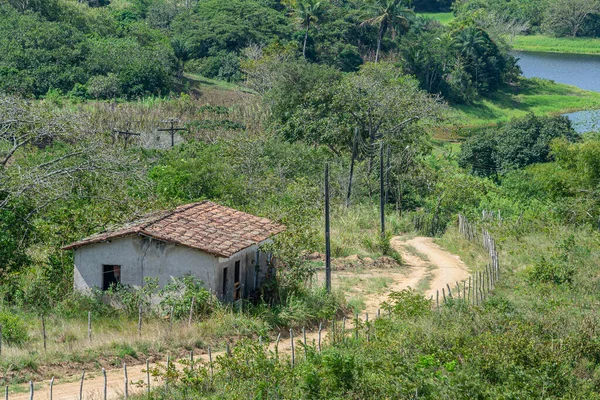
pixel 428 268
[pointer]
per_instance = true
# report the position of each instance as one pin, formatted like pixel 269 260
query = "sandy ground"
pixel 427 265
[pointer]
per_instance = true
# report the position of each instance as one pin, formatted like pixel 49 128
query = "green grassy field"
pixel 532 95
pixel 443 18
pixel 557 45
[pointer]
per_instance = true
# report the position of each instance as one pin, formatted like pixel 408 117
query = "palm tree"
pixel 307 12
pixel 182 54
pixel 387 14
pixel 469 41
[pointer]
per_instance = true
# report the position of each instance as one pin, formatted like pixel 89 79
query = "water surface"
pixel 578 70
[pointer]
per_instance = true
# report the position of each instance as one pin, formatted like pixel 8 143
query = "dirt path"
pixel 428 267
pixel 446 268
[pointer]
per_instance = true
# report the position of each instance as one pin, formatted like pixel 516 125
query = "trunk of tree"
pixel 305 39
pixel 379 43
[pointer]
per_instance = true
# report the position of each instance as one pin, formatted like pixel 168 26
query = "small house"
pixel 217 244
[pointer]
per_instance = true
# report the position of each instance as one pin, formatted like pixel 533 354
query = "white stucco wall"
pixel 141 257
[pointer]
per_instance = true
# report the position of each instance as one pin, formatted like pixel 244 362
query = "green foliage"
pixel 229 26
pixel 407 304
pixel 521 142
pixel 177 295
pixel 461 63
pixel 103 87
pixel 197 171
pixel 129 299
pixel 558 269
pixel 71 45
pixel 14 329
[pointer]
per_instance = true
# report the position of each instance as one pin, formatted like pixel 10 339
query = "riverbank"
pixel 548 44
pixel 535 95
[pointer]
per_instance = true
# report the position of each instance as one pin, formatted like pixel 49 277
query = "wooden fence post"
pixel 356 327
pixel 277 346
pixel 192 310
pixel 44 331
pixel 304 337
pixel 437 300
pixel 169 366
pixel 90 326
pixel 320 329
pixel 211 363
pixel 444 295
pixel 105 385
pixel 469 292
pixel 449 291
pixel 52 387
pixel 148 376
pixel 81 385
pixel 292 343
pixel 126 383
pixel 367 327
pixel 140 321
pixel 6 392
pixel 30 390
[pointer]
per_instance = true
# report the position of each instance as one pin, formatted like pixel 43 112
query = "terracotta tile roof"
pixel 205 226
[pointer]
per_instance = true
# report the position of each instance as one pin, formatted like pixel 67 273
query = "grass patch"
pixel 355 230
pixel 535 95
pixel 412 250
pixel 357 304
pixel 378 284
pixel 556 45
pixel 424 284
pixel 442 18
pixel 471 253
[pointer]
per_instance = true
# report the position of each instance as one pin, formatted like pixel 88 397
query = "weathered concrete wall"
pixel 141 257
pixel 248 262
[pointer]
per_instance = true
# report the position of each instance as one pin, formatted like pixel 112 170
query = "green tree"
pixel 307 12
pixel 568 17
pixel 182 53
pixel 386 15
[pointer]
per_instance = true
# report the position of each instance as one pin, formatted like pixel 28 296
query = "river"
pixel 578 70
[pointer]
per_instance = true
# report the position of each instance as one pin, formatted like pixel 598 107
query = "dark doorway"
pixel 224 283
pixel 111 275
pixel 236 282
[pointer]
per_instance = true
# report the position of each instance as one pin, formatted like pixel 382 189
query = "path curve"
pixel 442 266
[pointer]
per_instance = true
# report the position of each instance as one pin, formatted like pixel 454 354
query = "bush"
pixel 407 304
pixel 14 330
pixel 178 294
pixel 104 87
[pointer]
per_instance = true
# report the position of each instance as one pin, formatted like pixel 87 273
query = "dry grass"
pixel 115 339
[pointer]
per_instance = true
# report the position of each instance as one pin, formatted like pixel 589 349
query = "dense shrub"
pixel 14 329
pixel 520 142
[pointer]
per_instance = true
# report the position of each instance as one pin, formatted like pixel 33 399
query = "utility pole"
pixel 387 176
pixel 327 233
pixel 381 190
pixel 172 129
pixel 126 135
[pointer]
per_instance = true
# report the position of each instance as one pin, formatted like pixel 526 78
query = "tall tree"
pixel 387 15
pixel 567 17
pixel 307 12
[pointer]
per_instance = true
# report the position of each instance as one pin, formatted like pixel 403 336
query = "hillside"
pixel 481 282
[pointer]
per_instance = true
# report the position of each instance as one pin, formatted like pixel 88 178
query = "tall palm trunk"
pixel 379 42
pixel 305 39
